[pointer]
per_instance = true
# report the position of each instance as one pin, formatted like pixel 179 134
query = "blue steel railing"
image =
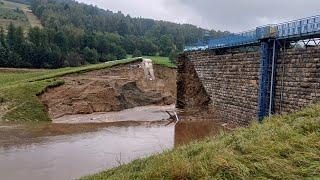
pixel 297 28
pixel 300 27
pixel 243 38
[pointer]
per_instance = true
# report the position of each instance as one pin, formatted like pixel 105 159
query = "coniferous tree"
pixel 2 38
pixel 11 35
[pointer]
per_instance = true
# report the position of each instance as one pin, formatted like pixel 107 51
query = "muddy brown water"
pixel 69 151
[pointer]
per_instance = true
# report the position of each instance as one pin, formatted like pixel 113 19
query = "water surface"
pixel 73 156
pixel 69 151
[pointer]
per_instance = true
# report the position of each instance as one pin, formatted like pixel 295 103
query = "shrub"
pixel 91 55
pixel 74 59
pixel 173 57
pixel 136 53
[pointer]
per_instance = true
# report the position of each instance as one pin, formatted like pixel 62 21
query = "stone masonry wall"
pixel 231 81
pixel 298 79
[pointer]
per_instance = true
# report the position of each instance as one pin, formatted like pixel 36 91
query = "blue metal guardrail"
pixel 297 28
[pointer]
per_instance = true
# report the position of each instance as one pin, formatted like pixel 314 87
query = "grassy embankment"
pixel 160 60
pixel 282 147
pixel 19 89
pixel 164 61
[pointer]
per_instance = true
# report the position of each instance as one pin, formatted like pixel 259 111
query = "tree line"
pixel 75 34
pixel 48 48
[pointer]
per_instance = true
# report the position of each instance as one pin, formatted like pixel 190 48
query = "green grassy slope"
pixel 19 89
pixel 283 147
pixel 160 60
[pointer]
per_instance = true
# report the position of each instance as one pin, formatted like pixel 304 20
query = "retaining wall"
pixel 231 81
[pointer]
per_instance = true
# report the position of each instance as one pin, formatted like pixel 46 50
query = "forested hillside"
pixel 75 34
pixel 21 1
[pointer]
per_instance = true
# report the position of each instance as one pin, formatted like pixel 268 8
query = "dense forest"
pixel 75 34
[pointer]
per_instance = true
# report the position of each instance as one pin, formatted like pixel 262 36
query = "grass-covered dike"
pixel 282 147
pixel 19 88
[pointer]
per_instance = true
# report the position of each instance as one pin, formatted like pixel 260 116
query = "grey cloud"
pixel 231 15
pixel 238 15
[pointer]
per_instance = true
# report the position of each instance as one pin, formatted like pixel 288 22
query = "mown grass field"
pixel 164 61
pixel 160 60
pixel 19 89
pixel 282 147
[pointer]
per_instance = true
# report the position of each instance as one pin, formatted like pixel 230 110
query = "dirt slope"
pixel 111 89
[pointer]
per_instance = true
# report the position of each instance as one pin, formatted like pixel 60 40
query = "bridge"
pixel 300 29
pixel 270 40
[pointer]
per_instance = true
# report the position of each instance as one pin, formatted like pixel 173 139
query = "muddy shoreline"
pixel 137 114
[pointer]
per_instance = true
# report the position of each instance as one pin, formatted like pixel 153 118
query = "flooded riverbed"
pixel 69 151
pixel 73 156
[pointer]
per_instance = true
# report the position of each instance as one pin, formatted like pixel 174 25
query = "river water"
pixel 69 151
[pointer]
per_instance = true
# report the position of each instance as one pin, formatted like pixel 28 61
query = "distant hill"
pixel 22 1
pixel 17 12
pixel 65 13
pixel 74 34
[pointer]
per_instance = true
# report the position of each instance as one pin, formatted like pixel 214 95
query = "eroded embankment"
pixel 111 89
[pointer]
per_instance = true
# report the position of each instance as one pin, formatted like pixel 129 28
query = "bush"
pixel 74 59
pixel 91 55
pixel 173 57
pixel 111 57
pixel 120 53
pixel 136 53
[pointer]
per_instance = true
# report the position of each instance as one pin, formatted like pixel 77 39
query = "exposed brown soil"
pixel 191 93
pixel 112 89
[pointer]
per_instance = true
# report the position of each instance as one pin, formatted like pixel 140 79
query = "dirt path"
pixel 113 89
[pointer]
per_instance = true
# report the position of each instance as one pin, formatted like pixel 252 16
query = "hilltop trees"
pixel 46 48
pixel 75 34
pixel 161 36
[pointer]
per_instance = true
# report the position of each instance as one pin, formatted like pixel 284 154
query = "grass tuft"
pixel 282 147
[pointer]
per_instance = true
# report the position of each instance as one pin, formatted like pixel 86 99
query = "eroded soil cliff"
pixel 112 89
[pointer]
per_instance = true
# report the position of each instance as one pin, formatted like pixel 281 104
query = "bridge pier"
pixel 269 52
pixel 264 79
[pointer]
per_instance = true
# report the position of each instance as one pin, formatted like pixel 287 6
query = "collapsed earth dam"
pixel 110 90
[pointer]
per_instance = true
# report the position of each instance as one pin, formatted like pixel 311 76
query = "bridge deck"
pixel 300 29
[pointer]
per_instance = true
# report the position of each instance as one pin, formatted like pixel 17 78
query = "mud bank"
pixel 191 93
pixel 112 89
pixel 137 114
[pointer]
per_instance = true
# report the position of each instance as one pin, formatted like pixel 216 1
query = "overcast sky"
pixel 231 15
